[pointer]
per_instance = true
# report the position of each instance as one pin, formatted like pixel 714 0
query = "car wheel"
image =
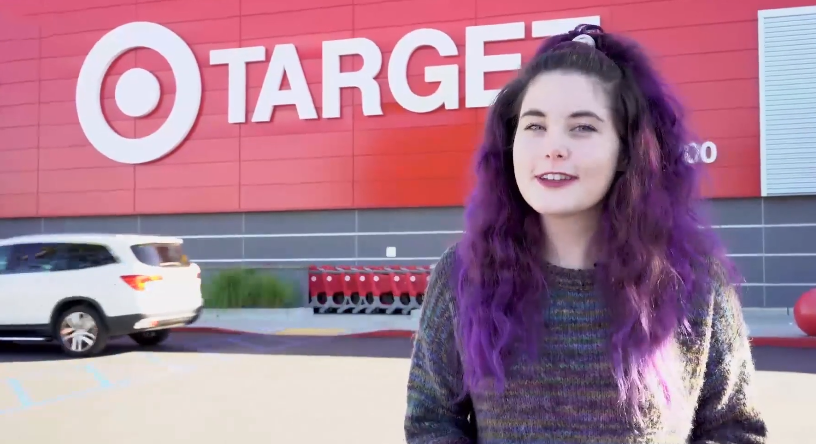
pixel 81 332
pixel 150 338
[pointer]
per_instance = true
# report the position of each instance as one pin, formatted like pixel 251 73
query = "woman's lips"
pixel 556 180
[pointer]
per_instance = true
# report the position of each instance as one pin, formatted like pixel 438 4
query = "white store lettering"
pixel 285 61
pixel 705 152
pixel 138 91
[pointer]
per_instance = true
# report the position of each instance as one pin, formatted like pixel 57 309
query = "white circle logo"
pixel 138 93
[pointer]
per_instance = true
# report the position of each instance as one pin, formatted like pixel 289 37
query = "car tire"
pixel 75 327
pixel 150 338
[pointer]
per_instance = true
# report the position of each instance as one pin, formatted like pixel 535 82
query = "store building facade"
pixel 342 131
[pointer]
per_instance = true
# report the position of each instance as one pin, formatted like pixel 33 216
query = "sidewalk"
pixel 766 326
pixel 775 327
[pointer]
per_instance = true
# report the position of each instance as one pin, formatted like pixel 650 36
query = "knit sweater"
pixel 567 394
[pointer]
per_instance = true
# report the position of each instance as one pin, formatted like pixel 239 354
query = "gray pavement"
pixel 210 388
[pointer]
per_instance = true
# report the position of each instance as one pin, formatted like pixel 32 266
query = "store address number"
pixel 705 152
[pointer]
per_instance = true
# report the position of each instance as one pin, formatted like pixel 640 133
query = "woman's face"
pixel 566 148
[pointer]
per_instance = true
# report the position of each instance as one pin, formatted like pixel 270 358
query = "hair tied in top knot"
pixel 585 38
pixel 588 29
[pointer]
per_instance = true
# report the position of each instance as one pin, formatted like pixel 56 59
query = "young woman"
pixel 587 301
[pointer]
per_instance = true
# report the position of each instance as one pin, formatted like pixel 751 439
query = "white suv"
pixel 83 289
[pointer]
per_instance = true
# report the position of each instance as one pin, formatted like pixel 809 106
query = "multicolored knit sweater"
pixel 568 395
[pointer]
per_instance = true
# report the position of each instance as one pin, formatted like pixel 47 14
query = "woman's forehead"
pixel 563 93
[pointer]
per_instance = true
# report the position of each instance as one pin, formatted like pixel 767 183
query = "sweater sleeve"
pixel 436 412
pixel 726 411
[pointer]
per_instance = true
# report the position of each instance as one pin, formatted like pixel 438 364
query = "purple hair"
pixel 658 256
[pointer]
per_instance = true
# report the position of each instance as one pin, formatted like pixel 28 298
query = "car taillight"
pixel 137 282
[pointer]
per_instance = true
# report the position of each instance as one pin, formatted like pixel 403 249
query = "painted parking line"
pixel 113 372
pixel 98 376
pixel 66 397
pixel 20 392
pixel 25 401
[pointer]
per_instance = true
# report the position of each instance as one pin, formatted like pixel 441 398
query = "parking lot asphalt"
pixel 208 388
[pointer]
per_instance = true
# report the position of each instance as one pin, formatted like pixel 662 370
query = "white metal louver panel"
pixel 787 100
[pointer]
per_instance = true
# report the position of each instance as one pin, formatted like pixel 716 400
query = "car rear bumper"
pixel 128 324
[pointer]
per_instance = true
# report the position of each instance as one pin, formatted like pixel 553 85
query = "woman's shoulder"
pixel 439 300
pixel 721 305
pixel 447 264
pixel 724 292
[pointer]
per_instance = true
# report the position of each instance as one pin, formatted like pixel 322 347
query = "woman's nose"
pixel 555 145
pixel 556 151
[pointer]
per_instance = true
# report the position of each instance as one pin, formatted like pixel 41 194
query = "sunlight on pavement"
pixel 255 398
pixel 786 401
pixel 8 397
pixel 292 389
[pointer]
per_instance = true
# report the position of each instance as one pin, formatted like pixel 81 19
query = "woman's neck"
pixel 569 239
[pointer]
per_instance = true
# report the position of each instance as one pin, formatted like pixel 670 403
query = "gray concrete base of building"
pixel 773 240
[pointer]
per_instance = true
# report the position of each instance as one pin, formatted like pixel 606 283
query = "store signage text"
pixel 284 60
pixel 138 92
pixel 705 152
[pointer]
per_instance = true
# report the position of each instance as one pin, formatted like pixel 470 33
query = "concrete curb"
pixel 760 341
pixel 785 342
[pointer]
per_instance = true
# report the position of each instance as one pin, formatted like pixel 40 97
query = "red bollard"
pixel 804 312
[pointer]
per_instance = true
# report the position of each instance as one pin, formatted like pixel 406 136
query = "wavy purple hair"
pixel 658 256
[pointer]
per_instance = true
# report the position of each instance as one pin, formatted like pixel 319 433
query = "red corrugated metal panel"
pixel 706 48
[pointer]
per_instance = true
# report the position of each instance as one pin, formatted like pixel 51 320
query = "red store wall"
pixel 707 48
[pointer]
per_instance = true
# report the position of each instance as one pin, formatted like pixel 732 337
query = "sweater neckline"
pixel 571 279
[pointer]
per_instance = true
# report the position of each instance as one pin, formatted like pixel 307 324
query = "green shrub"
pixel 247 288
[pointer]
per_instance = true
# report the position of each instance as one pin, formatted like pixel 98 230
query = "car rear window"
pixel 161 255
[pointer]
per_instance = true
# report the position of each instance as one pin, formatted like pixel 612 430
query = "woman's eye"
pixel 585 128
pixel 534 127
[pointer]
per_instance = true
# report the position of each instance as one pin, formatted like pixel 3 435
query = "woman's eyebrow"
pixel 533 113
pixel 577 114
pixel 584 113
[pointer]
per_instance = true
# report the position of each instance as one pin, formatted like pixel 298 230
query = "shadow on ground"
pixel 791 360
pixel 767 359
pixel 229 344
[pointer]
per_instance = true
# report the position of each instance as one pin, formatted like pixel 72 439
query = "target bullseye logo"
pixel 138 93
